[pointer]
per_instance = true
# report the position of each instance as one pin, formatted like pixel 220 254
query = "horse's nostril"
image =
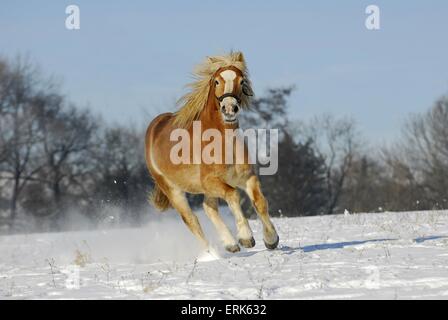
pixel 223 109
pixel 235 109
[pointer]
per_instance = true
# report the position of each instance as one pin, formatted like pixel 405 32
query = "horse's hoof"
pixel 233 248
pixel 247 243
pixel 272 246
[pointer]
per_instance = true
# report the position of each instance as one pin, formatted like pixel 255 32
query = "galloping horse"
pixel 221 90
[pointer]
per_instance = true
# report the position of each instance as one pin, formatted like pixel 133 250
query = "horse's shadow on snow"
pixel 342 245
pixel 339 245
pixel 329 246
pixel 423 239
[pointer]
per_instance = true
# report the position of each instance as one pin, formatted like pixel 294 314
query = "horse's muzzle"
pixel 229 108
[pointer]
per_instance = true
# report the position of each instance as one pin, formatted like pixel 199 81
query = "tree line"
pixel 326 166
pixel 58 160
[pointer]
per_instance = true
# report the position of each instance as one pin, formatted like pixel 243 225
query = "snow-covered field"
pixel 372 256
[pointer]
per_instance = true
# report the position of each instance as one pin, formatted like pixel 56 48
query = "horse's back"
pixel 161 118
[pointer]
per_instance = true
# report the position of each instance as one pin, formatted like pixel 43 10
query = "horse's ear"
pixel 239 56
pixel 247 90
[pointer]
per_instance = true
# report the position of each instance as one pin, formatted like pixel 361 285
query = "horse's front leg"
pixel 219 189
pixel 260 204
pixel 245 237
pixel 211 209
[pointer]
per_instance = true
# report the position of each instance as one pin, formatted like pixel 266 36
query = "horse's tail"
pixel 158 199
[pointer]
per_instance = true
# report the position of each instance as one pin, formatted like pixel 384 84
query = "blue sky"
pixel 131 56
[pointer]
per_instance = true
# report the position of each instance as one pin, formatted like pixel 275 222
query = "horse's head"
pixel 222 83
pixel 230 86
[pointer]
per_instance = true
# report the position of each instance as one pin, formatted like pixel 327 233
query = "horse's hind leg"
pixel 180 203
pixel 253 190
pixel 211 209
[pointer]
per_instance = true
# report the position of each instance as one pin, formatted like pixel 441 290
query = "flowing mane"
pixel 194 101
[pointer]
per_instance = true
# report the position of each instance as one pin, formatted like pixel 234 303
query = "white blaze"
pixel 228 77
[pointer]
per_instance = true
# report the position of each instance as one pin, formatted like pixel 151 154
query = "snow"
pixel 355 256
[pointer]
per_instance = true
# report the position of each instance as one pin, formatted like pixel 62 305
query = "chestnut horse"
pixel 221 90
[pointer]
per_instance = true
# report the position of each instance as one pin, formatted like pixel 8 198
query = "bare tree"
pixel 298 188
pixel 336 141
pixel 4 73
pixel 422 153
pixel 121 177
pixel 67 140
pixel 19 125
pixel 43 140
pixel 270 110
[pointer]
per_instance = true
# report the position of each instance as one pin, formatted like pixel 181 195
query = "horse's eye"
pixel 216 82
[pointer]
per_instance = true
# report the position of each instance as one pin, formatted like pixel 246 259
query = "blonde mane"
pixel 194 102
